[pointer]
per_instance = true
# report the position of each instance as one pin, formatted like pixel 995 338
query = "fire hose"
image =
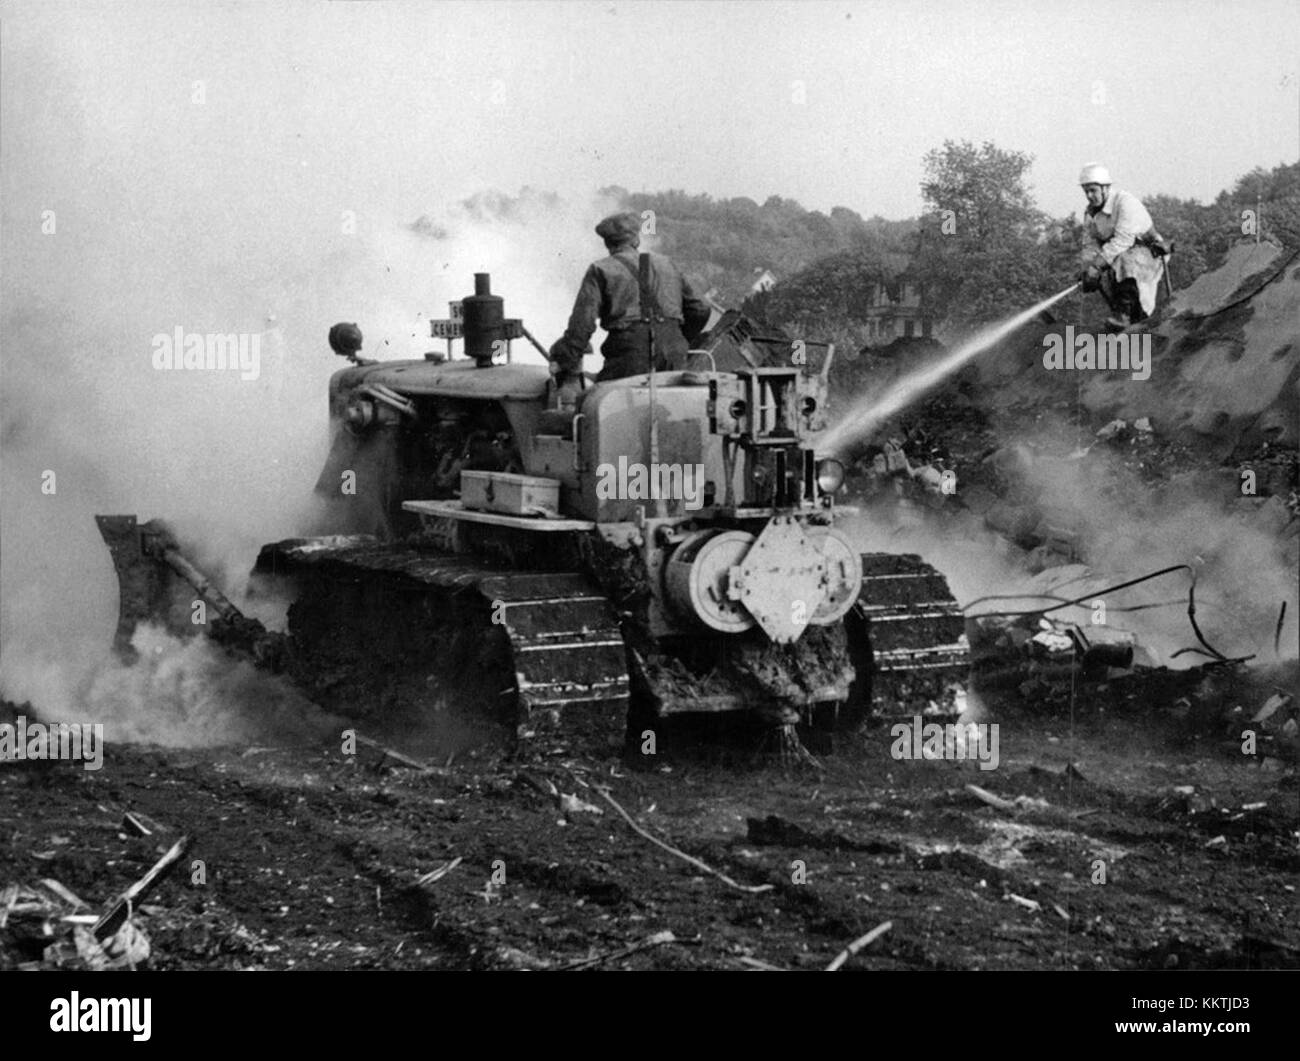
pixel 1208 650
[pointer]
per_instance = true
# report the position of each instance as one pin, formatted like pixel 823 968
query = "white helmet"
pixel 1094 173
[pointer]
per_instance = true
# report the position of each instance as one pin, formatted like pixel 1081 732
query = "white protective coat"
pixel 1114 234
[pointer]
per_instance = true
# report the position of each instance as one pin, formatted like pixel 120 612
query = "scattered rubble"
pixel 49 927
pixel 306 870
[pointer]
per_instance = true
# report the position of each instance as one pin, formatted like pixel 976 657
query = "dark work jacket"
pixel 610 293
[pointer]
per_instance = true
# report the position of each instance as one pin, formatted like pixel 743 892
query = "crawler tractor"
pixel 663 545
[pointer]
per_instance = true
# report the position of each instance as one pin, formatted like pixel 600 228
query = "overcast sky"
pixel 400 107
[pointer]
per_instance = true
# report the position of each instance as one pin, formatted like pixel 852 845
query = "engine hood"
pixel 452 379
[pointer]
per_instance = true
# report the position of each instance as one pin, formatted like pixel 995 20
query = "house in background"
pixel 896 311
pixel 763 281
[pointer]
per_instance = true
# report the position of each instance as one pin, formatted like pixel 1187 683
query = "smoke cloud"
pixel 131 211
pixel 1123 527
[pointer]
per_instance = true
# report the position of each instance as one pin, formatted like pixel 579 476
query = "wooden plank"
pixel 122 907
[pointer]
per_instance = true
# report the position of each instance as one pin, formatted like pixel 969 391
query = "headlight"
pixel 359 413
pixel 345 340
pixel 830 475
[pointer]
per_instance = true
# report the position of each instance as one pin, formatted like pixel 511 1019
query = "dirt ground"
pixel 313 858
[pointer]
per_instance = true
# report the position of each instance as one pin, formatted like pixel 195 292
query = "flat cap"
pixel 619 227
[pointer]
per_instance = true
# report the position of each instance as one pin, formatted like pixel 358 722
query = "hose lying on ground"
pixel 1209 650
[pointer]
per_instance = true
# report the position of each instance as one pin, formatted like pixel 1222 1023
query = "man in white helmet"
pixel 1123 253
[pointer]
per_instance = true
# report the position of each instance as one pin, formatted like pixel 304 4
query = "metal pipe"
pixel 202 584
pixel 648 318
pixel 540 348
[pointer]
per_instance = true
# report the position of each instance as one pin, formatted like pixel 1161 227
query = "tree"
pixel 725 243
pixel 984 188
pixel 984 249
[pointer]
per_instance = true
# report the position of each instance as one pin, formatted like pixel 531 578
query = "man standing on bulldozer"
pixel 612 292
pixel 1123 254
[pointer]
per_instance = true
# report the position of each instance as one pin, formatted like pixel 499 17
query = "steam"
pixel 1128 527
pixel 1124 528
pixel 126 219
pixel 536 245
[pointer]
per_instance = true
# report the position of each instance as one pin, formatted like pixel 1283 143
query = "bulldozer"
pixel 589 567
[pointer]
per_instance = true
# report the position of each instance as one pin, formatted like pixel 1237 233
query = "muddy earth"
pixel 1121 828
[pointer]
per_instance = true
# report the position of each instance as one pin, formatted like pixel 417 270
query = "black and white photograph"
pixel 671 486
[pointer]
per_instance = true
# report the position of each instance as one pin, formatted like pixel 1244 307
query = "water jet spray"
pixel 866 416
